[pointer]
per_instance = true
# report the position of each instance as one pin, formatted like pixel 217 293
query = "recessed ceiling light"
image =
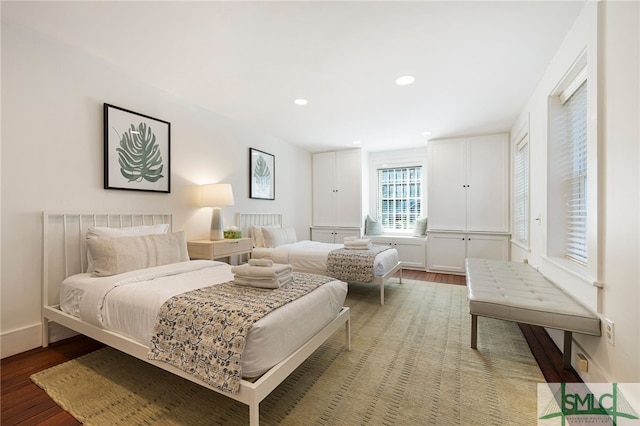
pixel 300 101
pixel 405 79
pixel 356 142
pixel 426 133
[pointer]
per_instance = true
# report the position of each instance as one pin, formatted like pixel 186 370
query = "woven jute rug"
pixel 410 364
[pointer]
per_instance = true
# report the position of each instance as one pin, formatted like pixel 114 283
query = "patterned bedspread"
pixel 203 331
pixel 353 265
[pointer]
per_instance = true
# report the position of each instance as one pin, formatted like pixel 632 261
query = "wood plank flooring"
pixel 24 403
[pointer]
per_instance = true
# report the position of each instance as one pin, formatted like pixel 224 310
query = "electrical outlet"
pixel 609 330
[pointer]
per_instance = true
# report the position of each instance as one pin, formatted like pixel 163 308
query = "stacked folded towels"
pixel 357 243
pixel 262 273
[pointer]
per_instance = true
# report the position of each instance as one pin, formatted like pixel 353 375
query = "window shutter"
pixel 574 173
pixel 399 197
pixel 521 191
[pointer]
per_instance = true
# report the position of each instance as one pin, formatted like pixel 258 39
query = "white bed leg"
pixel 347 332
pixel 382 292
pixel 400 275
pixel 254 414
pixel 45 332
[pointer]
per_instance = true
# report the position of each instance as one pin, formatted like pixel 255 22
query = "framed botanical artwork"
pixel 262 175
pixel 137 151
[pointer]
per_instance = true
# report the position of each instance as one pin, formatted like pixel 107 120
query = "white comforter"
pixel 129 303
pixel 312 256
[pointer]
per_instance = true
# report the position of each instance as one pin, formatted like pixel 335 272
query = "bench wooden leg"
pixel 474 331
pixel 566 356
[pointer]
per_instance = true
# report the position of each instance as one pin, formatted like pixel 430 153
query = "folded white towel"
pixel 362 242
pixel 275 271
pixel 271 283
pixel 350 238
pixel 357 247
pixel 260 262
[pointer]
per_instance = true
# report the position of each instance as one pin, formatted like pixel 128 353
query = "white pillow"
pixel 372 226
pixel 420 228
pixel 257 234
pixel 113 256
pixel 129 231
pixel 274 237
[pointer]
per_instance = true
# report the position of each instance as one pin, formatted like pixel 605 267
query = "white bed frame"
pixel 245 221
pixel 64 254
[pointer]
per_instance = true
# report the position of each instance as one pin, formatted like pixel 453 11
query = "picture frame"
pixel 137 151
pixel 262 175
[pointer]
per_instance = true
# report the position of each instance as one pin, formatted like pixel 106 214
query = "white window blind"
pixel 399 197
pixel 573 162
pixel 521 192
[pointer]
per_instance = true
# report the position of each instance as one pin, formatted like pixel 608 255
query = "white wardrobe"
pixel 467 201
pixel 337 195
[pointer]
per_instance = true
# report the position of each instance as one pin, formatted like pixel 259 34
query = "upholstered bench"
pixel 515 291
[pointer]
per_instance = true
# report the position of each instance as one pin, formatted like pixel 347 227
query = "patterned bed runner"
pixel 203 331
pixel 353 265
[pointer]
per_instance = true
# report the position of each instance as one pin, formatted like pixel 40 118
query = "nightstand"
pixel 211 250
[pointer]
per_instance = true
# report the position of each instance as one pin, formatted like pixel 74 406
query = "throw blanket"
pixel 353 265
pixel 202 332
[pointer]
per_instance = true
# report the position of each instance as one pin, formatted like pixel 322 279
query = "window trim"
pixel 393 159
pixel 579 69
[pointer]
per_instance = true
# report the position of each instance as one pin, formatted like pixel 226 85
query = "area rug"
pixel 410 364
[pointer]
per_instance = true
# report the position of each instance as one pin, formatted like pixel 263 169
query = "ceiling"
pixel 475 63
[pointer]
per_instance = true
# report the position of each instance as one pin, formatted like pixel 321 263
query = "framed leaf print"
pixel 137 154
pixel 262 175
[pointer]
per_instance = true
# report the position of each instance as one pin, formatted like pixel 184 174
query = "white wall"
pixel 609 32
pixel 52 127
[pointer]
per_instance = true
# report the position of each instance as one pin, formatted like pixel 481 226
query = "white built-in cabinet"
pixel 412 251
pixel 333 235
pixel 337 192
pixel 467 201
pixel 448 250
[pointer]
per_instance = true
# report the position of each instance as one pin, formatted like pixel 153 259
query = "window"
pixel 521 192
pixel 568 230
pixel 399 198
pixel 575 174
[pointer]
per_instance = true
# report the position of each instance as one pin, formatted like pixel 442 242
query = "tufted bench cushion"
pixel 515 291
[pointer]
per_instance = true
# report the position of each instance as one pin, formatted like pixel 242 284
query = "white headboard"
pixel 64 249
pixel 245 221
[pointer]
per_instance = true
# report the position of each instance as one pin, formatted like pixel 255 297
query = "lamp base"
pixel 217 228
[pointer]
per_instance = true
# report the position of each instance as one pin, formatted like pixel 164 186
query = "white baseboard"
pixel 22 340
pixel 25 339
pixel 595 373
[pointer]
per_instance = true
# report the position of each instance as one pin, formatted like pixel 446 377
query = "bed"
pixel 129 299
pixel 305 255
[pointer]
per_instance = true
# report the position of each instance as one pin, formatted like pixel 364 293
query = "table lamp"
pixel 216 195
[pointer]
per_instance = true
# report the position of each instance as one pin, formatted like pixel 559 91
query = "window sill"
pixel 577 271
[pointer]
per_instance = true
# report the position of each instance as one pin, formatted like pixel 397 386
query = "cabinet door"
pixel 494 247
pixel 322 235
pixel 445 191
pixel 412 253
pixel 488 185
pixel 446 253
pixel 348 188
pixel 324 190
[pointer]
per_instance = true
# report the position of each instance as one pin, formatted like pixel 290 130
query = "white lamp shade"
pixel 216 195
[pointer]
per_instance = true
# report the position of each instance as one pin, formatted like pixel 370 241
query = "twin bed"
pixel 272 241
pixel 118 301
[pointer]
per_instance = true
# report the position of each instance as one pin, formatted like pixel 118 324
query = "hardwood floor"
pixel 24 403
